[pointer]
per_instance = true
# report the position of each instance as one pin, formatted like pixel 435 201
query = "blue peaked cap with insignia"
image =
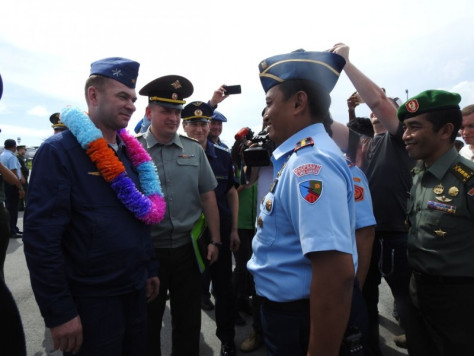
pixel 323 68
pixel 218 116
pixel 121 69
pixel 196 111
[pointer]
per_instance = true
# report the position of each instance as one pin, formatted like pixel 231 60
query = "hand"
pixel 68 336
pixel 21 194
pixel 234 241
pixel 152 288
pixel 218 96
pixel 212 253
pixel 342 50
pixel 354 100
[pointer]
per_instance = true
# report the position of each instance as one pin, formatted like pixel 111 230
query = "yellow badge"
pixel 440 233
pixel 268 205
pixel 443 199
pixel 260 222
pixel 453 191
pixel 438 189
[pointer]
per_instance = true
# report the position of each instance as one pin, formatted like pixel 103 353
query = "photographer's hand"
pixel 218 96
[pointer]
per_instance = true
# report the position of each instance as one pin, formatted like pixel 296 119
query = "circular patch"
pixel 412 106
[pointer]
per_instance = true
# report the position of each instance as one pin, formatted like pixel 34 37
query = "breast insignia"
pixel 440 233
pixel 439 189
pixel 453 191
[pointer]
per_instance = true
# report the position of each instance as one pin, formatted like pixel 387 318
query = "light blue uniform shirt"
pixel 363 200
pixel 310 209
pixel 9 160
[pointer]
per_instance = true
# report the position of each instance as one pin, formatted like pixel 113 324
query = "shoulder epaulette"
pixel 349 162
pixel 308 141
pixel 189 138
pixel 222 148
pixel 462 172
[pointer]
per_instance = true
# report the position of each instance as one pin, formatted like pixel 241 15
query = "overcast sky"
pixel 46 48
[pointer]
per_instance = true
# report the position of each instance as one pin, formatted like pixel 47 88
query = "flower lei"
pixel 149 207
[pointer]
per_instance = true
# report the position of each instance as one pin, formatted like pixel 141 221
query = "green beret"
pixel 428 101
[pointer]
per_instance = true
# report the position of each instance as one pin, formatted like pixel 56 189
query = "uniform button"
pixel 260 222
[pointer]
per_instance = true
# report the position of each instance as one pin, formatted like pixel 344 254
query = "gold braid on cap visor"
pixel 278 79
pixel 157 98
pixel 196 117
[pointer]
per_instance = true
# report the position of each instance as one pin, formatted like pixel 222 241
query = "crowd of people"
pixel 314 213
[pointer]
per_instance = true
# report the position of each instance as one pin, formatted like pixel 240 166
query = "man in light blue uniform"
pixel 304 252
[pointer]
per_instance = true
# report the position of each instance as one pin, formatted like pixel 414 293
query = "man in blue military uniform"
pixel 441 219
pixel 196 116
pixel 188 186
pixel 90 256
pixel 57 125
pixel 304 252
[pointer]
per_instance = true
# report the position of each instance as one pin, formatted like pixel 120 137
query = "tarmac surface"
pixel 39 341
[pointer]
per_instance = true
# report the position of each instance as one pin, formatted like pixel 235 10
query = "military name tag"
pixel 434 205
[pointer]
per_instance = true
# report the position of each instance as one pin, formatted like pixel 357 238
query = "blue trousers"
pixel 113 326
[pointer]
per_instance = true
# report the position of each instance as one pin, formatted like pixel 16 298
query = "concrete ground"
pixel 39 341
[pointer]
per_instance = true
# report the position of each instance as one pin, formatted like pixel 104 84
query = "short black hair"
pixel 361 125
pixel 442 117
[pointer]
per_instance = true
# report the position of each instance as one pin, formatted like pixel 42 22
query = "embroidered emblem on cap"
pixel 117 72
pixel 412 105
pixel 176 84
pixel 305 169
pixel 311 190
pixel 358 193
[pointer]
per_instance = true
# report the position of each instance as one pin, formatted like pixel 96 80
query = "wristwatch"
pixel 218 244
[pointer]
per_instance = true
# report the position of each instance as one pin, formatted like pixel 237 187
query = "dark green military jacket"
pixel 441 217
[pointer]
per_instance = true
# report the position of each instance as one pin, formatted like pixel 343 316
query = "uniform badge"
pixel 94 173
pixel 358 193
pixel 471 192
pixel 305 169
pixel 453 191
pixel 311 190
pixel 308 141
pixel 443 199
pixel 268 205
pixel 438 189
pixel 412 106
pixel 440 233
pixel 434 205
pixel 260 222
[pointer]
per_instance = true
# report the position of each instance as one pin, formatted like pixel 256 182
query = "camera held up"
pixel 257 148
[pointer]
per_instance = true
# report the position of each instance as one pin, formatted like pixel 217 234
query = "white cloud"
pixel 38 111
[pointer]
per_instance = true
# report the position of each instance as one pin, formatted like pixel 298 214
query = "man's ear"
pixel 300 101
pixel 92 95
pixel 446 131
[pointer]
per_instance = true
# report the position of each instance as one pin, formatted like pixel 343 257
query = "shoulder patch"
pixel 308 141
pixel 311 190
pixel 462 172
pixel 359 193
pixel 305 169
